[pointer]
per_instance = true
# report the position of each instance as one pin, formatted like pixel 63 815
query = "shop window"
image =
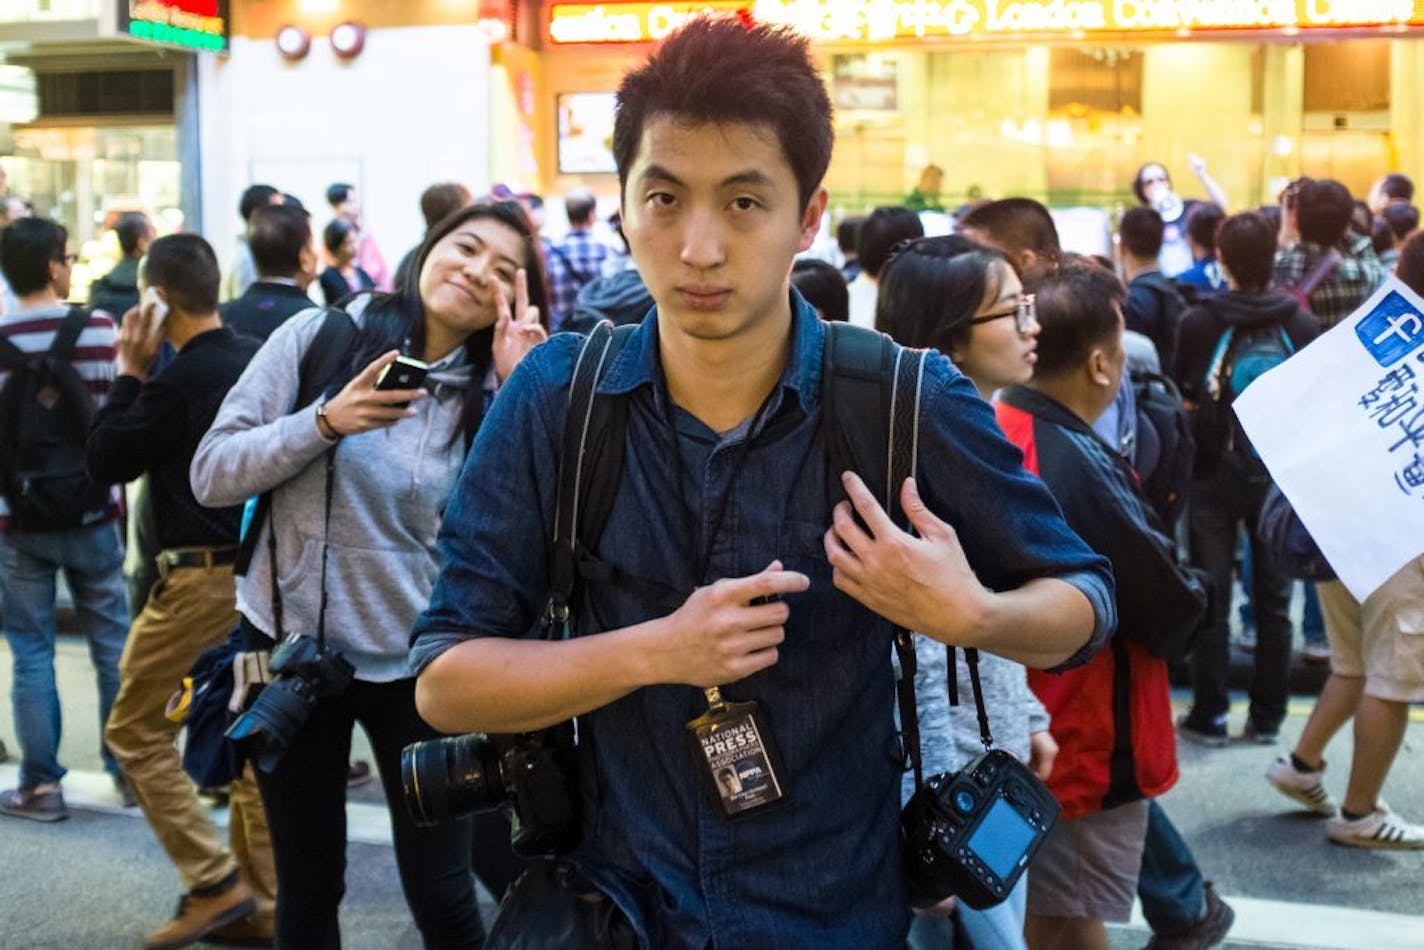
pixel 1350 76
pixel 146 92
pixel 1094 123
pixel 1105 80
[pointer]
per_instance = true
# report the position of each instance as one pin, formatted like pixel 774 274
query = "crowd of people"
pixel 284 497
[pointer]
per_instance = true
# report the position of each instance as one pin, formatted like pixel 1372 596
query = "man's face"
pixel 1116 364
pixel 60 273
pixel 713 218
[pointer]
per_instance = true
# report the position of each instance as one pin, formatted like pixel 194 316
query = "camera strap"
pixel 971 659
pixel 277 617
pixel 901 456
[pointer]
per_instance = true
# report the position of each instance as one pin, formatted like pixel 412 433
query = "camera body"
pixel 972 833
pixel 532 771
pixel 303 673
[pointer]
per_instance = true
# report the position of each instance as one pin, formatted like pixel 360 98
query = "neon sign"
pixel 873 21
pixel 189 24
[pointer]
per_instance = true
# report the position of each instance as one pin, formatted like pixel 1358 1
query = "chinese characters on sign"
pixel 1340 425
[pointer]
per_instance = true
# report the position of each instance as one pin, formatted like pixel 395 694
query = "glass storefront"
pixel 1071 124
pixel 84 176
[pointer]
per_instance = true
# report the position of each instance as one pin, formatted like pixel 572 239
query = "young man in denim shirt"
pixel 727 499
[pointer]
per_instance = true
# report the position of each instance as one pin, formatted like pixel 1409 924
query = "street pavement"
pixel 100 880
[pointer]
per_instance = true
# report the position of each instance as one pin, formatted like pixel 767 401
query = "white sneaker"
pixel 1305 787
pixel 1382 829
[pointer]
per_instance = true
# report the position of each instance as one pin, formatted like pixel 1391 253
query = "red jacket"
pixel 1112 718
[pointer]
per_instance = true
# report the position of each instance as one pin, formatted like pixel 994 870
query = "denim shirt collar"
pixel 639 364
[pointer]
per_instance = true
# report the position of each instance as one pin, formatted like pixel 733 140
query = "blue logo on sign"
pixel 1392 330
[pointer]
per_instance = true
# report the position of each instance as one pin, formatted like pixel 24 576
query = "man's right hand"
pixel 725 631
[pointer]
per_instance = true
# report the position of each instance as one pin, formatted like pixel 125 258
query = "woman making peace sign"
pixel 357 565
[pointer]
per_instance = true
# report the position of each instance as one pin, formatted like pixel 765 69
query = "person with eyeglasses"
pixel 984 322
pixel 82 540
pixel 1152 186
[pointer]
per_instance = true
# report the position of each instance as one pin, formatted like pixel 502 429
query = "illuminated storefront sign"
pixel 190 24
pixel 881 20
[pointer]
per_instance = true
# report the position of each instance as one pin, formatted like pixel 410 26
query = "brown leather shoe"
pixel 248 932
pixel 40 803
pixel 199 915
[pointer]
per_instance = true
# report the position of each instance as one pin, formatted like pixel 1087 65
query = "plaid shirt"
pixel 572 263
pixel 1357 276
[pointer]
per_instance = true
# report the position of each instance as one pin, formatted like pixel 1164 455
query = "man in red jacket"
pixel 1112 717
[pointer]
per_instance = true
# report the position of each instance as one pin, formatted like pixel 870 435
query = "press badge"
pixel 737 754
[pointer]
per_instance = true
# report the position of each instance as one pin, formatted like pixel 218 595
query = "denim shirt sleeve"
pixel 1011 529
pixel 493 546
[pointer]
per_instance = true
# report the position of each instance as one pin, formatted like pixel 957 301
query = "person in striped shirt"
pixel 35 260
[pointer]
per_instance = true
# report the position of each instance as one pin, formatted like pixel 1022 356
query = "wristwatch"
pixel 324 426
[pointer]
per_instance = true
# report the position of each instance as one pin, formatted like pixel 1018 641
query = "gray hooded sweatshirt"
pixel 389 490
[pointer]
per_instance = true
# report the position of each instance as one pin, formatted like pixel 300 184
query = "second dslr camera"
pixel 303 673
pixel 971 834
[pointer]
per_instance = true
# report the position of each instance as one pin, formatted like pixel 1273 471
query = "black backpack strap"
pixel 11 356
pixel 870 391
pixel 857 384
pixel 590 468
pixel 67 336
pixel 322 361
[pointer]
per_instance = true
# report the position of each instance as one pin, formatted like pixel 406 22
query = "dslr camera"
pixel 303 672
pixel 971 834
pixel 533 772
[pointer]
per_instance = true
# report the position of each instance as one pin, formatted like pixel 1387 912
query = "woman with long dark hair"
pixel 358 480
pixel 965 300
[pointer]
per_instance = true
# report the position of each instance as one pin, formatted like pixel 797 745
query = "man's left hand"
pixel 921 583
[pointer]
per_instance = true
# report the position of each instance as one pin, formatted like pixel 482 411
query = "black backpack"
pixel 1172 308
pixel 1287 542
pixel 45 411
pixel 870 392
pixel 1165 450
pixel 1241 357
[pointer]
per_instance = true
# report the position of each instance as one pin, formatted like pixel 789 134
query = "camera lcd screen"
pixel 1001 838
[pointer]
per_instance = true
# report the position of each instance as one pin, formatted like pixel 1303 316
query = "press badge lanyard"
pixel 739 759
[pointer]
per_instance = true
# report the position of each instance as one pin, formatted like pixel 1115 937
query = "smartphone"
pixel 157 309
pixel 406 372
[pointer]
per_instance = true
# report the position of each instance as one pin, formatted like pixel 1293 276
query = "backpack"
pixel 324 357
pixel 45 411
pixel 1301 292
pixel 870 392
pixel 1172 305
pixel 1241 357
pixel 1165 449
pixel 1287 542
pixel 201 704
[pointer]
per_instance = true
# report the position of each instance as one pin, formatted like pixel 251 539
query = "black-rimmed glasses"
pixel 1025 312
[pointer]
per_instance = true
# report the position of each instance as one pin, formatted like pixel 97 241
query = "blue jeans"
pixel 92 560
pixel 1170 885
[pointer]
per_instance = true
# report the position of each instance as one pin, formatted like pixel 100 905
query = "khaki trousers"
pixel 190 610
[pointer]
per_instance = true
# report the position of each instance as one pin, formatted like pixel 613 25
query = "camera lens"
pixel 267 728
pixel 446 778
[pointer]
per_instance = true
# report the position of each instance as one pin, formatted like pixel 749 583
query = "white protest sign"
pixel 1340 425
